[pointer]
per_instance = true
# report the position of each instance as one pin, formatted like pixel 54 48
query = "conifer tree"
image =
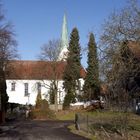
pixel 38 100
pixel 72 70
pixel 52 95
pixel 91 86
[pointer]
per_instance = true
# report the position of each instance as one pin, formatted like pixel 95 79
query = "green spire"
pixel 64 40
pixel 64 35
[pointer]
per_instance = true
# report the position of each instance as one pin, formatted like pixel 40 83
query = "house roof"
pixel 37 70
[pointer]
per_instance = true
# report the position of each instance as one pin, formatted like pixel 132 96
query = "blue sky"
pixel 37 21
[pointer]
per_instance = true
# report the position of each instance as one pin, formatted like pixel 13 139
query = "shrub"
pixel 69 98
pixel 41 110
pixel 38 100
pixel 41 114
pixel 44 105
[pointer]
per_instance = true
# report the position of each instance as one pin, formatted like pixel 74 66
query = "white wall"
pixel 18 96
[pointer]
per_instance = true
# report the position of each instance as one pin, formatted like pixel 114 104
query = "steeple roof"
pixel 64 35
pixel 64 40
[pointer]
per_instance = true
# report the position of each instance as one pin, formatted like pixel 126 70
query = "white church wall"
pixel 18 96
pixel 81 82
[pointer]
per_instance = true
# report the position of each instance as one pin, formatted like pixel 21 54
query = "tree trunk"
pixel 3 96
pixel 2 116
pixel 55 101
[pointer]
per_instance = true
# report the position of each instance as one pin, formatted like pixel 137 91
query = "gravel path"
pixel 38 130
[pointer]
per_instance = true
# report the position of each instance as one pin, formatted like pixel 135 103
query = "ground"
pixel 38 130
pixel 104 124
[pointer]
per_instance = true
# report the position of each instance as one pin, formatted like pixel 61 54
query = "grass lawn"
pixel 81 133
pixel 66 115
pixel 105 124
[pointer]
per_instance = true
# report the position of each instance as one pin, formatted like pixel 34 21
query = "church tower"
pixel 64 40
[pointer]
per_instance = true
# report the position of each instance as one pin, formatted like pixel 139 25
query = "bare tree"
pixel 50 52
pixel 120 59
pixel 8 51
pixel 122 26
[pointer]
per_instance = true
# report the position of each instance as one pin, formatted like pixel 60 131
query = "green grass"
pixel 65 115
pixel 81 133
pixel 111 122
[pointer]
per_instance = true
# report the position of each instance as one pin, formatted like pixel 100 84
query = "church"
pixel 28 78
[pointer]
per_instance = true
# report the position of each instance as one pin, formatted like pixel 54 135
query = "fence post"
pixel 77 122
pixel 87 124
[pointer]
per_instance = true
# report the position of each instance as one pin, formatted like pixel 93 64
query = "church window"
pixel 13 86
pixel 26 88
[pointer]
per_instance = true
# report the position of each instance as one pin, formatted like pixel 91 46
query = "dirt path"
pixel 38 130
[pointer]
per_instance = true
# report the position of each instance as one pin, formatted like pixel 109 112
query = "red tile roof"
pixel 38 70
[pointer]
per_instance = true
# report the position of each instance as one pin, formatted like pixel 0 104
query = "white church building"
pixel 27 78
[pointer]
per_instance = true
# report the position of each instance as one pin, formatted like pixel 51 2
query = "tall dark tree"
pixel 120 39
pixel 52 95
pixel 72 70
pixel 38 100
pixel 123 77
pixel 8 51
pixel 91 86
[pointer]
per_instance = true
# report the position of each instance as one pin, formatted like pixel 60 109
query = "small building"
pixel 27 78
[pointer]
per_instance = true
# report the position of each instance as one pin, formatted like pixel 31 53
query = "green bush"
pixel 41 114
pixel 38 100
pixel 69 98
pixel 41 110
pixel 44 105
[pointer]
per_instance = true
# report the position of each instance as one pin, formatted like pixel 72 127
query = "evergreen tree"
pixel 91 86
pixel 38 100
pixel 52 95
pixel 4 97
pixel 72 70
